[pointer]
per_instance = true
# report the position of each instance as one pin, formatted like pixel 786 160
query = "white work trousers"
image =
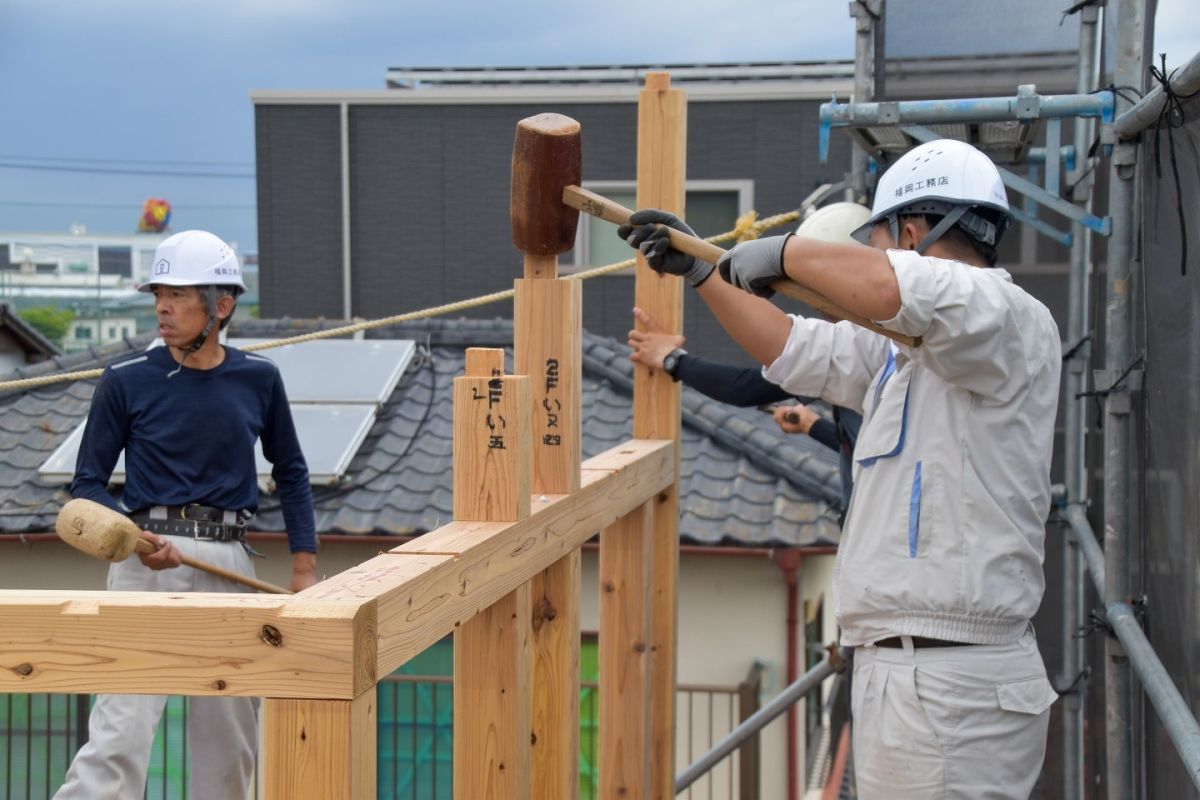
pixel 222 731
pixel 950 722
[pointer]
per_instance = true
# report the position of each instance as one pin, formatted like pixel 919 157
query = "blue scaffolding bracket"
pixel 1027 106
pixel 1046 196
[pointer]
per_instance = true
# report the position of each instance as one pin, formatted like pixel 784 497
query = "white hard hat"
pixel 834 223
pixel 945 178
pixel 194 258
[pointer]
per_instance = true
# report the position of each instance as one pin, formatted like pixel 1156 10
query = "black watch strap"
pixel 671 362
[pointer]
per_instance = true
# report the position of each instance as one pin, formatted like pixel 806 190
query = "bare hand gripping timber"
pixel 110 536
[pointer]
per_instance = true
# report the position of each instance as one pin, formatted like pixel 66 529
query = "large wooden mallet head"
pixel 97 530
pixel 547 155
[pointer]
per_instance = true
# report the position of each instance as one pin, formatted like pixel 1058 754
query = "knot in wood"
pixel 219 685
pixel 639 647
pixel 545 612
pixel 271 635
pixel 24 670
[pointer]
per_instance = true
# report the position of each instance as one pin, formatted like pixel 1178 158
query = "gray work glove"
pixel 643 232
pixel 754 265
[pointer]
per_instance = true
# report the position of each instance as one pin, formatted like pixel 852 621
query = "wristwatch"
pixel 671 361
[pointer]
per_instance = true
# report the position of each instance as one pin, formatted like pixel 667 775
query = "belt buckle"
pixel 183 512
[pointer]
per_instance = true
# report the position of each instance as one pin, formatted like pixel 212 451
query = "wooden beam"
pixel 319 749
pixel 624 656
pixel 491 649
pixel 555 649
pixel 193 644
pixel 491 559
pixel 491 444
pixel 492 701
pixel 661 173
pixel 548 341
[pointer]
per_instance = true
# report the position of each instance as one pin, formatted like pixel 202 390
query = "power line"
pixel 73 204
pixel 115 171
pixel 78 160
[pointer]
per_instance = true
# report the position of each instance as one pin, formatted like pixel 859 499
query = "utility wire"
pixel 79 160
pixel 116 171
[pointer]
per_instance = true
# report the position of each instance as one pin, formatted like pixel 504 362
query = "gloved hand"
pixel 754 265
pixel 643 232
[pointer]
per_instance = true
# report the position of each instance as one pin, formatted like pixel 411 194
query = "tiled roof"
pixel 742 483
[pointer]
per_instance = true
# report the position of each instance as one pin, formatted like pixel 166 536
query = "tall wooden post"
pixel 661 173
pixel 624 657
pixel 491 650
pixel 317 749
pixel 548 333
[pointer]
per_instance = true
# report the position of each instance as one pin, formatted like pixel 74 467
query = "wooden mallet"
pixel 546 173
pixel 547 155
pixel 105 534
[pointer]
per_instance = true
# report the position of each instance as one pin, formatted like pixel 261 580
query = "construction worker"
pixel 187 416
pixel 746 387
pixel 940 563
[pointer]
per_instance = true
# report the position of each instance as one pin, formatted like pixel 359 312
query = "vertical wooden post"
pixel 317 749
pixel 548 337
pixel 661 172
pixel 491 651
pixel 624 656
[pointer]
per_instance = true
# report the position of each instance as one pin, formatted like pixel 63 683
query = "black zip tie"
pixel 1173 115
pixel 1075 348
pixel 1097 621
pixel 1100 394
pixel 1075 9
pixel 1073 686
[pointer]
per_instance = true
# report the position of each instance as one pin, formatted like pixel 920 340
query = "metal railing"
pixel 40 734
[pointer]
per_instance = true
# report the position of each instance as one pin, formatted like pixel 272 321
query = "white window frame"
pixel 743 188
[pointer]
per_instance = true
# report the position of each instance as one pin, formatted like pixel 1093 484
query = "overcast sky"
pixel 125 88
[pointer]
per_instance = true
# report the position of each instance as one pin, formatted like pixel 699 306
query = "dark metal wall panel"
pixel 298 150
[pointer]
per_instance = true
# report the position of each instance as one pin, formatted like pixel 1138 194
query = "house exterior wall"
pixel 428 200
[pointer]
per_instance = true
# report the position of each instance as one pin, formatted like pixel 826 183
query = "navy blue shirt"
pixel 746 386
pixel 190 438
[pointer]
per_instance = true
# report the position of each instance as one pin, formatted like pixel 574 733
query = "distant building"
pixel 20 342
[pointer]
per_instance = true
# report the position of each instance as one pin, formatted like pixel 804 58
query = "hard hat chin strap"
pixel 945 224
pixel 196 344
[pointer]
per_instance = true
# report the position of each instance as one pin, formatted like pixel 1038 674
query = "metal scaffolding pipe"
pixel 1083 535
pixel 1075 433
pixel 1142 115
pixel 1130 27
pixel 1026 105
pixel 756 722
pixel 1173 711
pixel 864 13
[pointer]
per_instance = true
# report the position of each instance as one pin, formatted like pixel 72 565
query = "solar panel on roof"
pixel 334 389
pixel 339 370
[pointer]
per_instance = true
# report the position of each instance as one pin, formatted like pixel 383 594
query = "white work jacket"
pixel 945 535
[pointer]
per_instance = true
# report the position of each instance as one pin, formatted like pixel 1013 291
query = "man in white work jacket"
pixel 940 564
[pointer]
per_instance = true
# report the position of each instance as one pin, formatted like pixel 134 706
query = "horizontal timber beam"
pixel 193 644
pixel 490 559
pixel 331 641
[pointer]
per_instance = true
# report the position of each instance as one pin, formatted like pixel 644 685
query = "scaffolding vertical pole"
pixel 1076 425
pixel 1128 72
pixel 866 14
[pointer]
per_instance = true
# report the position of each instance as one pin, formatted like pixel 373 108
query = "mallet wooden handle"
pixel 597 206
pixel 144 546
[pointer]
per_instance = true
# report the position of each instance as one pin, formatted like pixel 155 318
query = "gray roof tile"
pixel 741 482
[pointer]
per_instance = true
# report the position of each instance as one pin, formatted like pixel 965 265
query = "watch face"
pixel 669 363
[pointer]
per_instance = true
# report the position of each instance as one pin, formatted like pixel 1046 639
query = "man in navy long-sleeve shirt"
pixel 188 416
pixel 745 387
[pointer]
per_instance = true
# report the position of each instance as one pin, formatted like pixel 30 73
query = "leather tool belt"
pixel 204 523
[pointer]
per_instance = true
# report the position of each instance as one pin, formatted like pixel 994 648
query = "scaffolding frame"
pixel 1127 649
